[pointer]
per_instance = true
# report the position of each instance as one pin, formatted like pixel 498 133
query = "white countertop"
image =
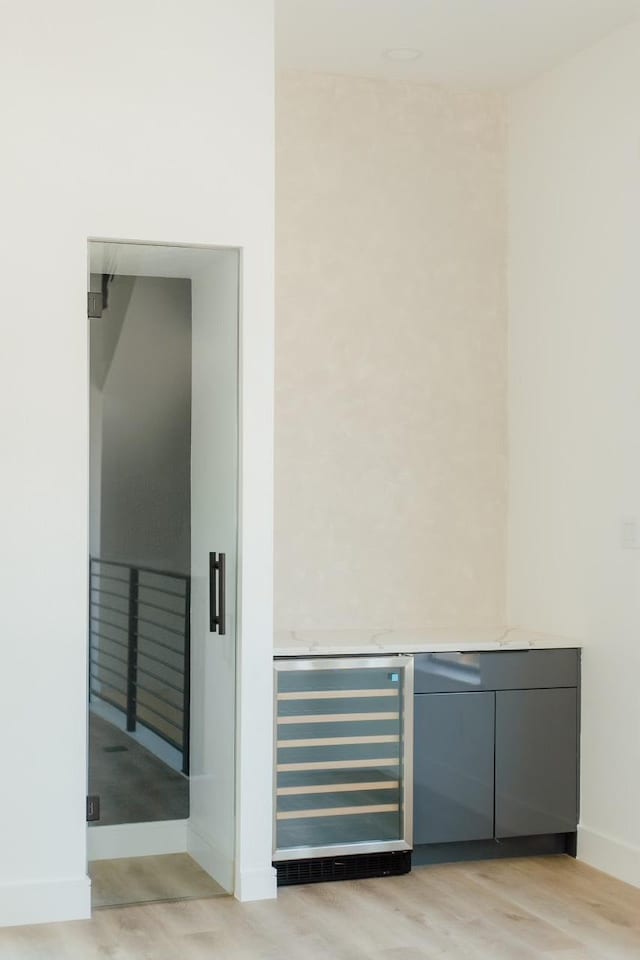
pixel 319 643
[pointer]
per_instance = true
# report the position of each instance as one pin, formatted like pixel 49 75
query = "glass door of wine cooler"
pixel 344 755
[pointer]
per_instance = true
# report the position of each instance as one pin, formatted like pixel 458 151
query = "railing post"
pixel 186 678
pixel 132 652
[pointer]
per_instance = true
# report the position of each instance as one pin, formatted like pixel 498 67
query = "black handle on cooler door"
pixel 217 593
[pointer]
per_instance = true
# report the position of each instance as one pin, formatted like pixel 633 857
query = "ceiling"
pixel 474 44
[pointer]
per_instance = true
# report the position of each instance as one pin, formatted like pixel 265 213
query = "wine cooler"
pixel 344 743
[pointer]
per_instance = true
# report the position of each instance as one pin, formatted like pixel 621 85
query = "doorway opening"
pixel 163 333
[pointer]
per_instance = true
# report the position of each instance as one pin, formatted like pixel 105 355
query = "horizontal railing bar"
pixel 339 741
pixel 119 643
pixel 160 733
pixel 145 706
pixel 167 703
pixel 105 653
pixel 114 703
pixel 110 563
pixel 336 694
pixel 101 666
pixel 156 606
pixel 160 679
pixel 105 606
pixel 153 693
pixel 164 663
pixel 338 811
pixel 168 593
pixel 105 576
pixel 133 566
pixel 161 626
pixel 338 788
pixel 108 623
pixel 161 716
pixel 110 593
pixel 159 643
pixel 107 684
pixel 337 718
pixel 169 574
pixel 305 767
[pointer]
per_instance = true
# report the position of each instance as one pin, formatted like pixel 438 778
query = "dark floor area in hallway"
pixel 134 786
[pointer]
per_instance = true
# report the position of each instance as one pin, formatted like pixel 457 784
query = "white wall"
pixel 391 434
pixel 176 144
pixel 574 408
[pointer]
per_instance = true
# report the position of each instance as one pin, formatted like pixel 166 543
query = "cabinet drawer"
pixel 495 670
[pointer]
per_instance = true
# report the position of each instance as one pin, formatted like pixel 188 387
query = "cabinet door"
pixel 536 762
pixel 453 767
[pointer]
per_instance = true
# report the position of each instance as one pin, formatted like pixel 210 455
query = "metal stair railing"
pixel 139 647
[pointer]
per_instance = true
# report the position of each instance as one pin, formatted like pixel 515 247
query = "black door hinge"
pixel 95 305
pixel 93 807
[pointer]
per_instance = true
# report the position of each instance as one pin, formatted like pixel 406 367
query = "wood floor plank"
pixel 583 903
pixel 142 879
pixel 534 909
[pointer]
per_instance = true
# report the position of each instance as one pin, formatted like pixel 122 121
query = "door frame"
pixel 255 877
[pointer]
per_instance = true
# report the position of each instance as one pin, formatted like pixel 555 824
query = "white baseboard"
pixel 214 861
pixel 610 855
pixel 24 903
pixel 257 885
pixel 137 839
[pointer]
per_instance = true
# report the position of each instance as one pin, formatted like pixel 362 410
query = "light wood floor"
pixel 547 908
pixel 130 880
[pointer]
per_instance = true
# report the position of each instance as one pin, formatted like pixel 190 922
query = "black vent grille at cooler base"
pixel 355 867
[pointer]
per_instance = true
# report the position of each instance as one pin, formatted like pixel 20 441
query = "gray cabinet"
pixel 453 768
pixel 536 762
pixel 495 745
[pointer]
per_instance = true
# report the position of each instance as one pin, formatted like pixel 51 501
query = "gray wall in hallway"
pixel 146 423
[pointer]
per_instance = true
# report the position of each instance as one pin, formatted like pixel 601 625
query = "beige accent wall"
pixel 390 355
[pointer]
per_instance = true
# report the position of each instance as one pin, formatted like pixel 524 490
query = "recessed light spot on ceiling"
pixel 403 54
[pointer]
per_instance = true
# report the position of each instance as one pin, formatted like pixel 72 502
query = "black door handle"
pixel 217 593
pixel 222 594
